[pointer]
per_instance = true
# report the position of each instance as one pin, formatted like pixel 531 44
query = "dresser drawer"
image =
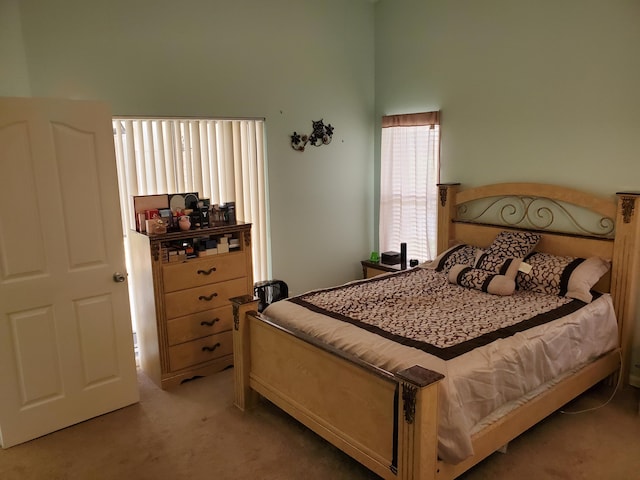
pixel 202 271
pixel 201 350
pixel 198 325
pixel 199 299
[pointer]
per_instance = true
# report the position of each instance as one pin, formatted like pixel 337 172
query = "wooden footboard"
pixel 385 421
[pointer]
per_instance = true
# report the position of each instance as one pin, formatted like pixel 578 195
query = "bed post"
pixel 245 397
pixel 418 423
pixel 446 213
pixel 624 284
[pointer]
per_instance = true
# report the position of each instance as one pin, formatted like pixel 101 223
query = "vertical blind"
pixel 409 171
pixel 222 160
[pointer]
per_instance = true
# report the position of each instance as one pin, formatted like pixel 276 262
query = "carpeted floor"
pixel 194 432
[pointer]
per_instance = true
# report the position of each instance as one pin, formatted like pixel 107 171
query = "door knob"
pixel 119 277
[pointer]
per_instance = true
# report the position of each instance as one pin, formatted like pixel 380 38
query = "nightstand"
pixel 371 269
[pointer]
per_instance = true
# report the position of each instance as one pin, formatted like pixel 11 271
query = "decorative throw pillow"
pixel 513 244
pixel 565 276
pixel 459 254
pixel 498 264
pixel 482 280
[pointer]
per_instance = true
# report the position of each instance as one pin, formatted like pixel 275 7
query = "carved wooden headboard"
pixel 571 222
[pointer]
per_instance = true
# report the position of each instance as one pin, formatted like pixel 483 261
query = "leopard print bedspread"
pixel 420 308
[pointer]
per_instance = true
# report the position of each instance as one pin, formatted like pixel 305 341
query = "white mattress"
pixel 483 381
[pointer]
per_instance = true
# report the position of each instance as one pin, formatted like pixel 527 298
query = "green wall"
pixel 290 62
pixel 541 91
pixel 14 72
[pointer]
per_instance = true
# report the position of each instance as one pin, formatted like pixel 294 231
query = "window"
pixel 409 171
pixel 222 160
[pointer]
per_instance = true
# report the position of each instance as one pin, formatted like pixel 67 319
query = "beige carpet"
pixel 194 432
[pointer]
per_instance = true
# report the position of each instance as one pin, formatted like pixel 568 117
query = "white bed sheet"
pixel 483 381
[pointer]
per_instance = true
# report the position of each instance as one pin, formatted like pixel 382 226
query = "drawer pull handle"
pixel 210 349
pixel 208 298
pixel 207 272
pixel 209 323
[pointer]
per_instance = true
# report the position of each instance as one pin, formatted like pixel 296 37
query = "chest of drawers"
pixel 182 313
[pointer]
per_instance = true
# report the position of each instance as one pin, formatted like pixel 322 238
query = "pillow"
pixel 564 276
pixel 482 280
pixel 513 244
pixel 458 254
pixel 498 264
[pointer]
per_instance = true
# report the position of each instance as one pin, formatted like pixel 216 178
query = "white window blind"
pixel 409 171
pixel 222 160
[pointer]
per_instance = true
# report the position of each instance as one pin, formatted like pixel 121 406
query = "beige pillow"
pixel 513 244
pixel 458 254
pixel 507 266
pixel 482 280
pixel 565 276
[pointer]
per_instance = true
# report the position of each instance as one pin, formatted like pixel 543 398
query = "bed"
pixel 401 406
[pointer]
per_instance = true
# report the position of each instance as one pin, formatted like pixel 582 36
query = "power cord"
pixel 615 390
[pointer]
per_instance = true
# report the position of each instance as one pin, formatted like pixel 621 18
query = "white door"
pixel 66 346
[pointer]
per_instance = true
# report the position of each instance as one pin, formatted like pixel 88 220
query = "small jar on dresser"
pixel 182 283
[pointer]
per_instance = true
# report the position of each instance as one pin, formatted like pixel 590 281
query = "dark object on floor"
pixel 270 291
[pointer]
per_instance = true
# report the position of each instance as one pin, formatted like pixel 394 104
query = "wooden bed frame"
pixel 388 420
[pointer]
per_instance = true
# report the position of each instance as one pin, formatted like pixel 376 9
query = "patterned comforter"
pixel 422 310
pixel 495 352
